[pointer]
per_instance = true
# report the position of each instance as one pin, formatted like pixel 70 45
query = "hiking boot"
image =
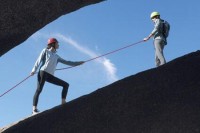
pixel 35 111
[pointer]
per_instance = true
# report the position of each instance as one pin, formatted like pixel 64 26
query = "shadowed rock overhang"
pixel 19 19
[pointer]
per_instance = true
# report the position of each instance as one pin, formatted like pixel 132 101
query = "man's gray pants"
pixel 159 56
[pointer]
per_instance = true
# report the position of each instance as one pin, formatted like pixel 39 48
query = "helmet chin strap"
pixel 53 48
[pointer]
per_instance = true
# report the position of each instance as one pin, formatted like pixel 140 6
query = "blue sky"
pixel 89 32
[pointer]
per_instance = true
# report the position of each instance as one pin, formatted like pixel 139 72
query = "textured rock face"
pixel 161 100
pixel 19 19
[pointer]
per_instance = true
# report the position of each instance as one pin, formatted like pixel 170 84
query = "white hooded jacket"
pixel 48 61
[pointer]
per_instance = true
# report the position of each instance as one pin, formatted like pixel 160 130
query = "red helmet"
pixel 52 40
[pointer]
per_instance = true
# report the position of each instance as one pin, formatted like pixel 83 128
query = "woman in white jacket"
pixel 47 61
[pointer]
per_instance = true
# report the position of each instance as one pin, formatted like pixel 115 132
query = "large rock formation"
pixel 161 100
pixel 19 19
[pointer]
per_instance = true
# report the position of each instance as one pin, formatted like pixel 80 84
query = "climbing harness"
pixel 114 51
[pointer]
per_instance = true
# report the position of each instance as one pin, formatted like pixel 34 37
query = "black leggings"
pixel 44 76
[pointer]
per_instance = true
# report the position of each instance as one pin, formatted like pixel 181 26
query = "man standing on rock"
pixel 159 38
